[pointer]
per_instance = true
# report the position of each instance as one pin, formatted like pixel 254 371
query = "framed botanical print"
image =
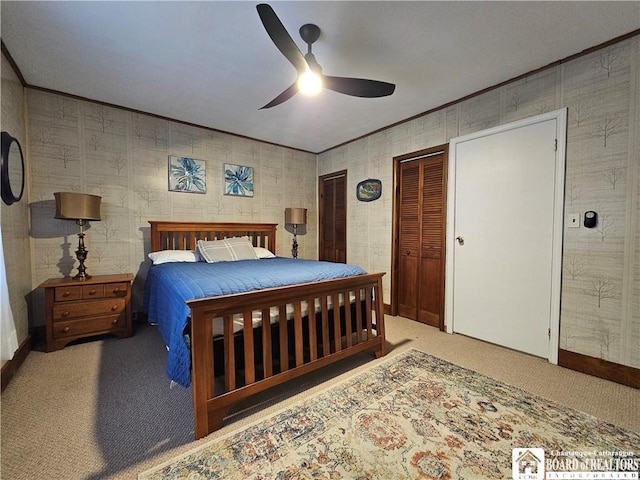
pixel 187 175
pixel 238 180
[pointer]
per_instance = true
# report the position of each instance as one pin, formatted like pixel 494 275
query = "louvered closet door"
pixel 432 241
pixel 333 217
pixel 409 239
pixel 421 240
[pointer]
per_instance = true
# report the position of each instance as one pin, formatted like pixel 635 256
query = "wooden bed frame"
pixel 270 354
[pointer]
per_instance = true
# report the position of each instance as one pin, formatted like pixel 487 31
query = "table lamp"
pixel 79 207
pixel 295 217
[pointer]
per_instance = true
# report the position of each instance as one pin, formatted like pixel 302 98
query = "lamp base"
pixel 294 246
pixel 81 255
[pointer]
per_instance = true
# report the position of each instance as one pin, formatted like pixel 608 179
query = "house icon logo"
pixel 528 463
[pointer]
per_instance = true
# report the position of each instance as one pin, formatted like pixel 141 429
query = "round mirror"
pixel 12 169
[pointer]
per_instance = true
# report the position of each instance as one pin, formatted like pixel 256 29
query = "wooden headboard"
pixel 184 235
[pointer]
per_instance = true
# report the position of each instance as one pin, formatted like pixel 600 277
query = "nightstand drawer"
pixel 92 291
pixel 116 289
pixel 72 328
pixel 66 311
pixel 66 294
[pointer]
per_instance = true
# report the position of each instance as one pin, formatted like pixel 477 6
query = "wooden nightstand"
pixel 96 306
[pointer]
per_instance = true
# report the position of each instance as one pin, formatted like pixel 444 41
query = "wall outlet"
pixel 573 220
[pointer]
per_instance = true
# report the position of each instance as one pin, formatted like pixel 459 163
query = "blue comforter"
pixel 168 286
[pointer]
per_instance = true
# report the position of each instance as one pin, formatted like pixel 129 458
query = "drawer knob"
pixel 66 293
pixel 65 329
pixel 65 314
pixel 114 321
pixel 114 308
pixel 92 292
pixel 116 290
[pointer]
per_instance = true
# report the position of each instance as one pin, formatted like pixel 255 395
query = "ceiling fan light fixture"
pixel 310 78
pixel 309 83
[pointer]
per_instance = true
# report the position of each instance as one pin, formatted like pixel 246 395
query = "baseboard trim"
pixel 387 308
pixel 10 368
pixel 597 367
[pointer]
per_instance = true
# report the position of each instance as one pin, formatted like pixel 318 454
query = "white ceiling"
pixel 212 63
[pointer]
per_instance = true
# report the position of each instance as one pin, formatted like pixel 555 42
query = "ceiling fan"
pixel 307 66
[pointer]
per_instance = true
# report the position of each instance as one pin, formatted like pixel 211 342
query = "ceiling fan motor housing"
pixel 309 33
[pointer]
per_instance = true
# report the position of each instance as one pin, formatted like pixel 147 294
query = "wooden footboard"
pixel 321 335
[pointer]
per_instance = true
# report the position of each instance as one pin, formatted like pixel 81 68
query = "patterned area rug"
pixel 412 416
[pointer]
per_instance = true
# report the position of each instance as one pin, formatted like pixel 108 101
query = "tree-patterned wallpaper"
pixel 123 157
pixel 600 313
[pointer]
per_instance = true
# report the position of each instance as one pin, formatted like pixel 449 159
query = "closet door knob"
pixel 460 239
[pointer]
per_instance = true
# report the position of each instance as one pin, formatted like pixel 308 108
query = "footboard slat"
pixel 368 294
pixel 249 359
pixel 333 327
pixel 347 319
pixel 313 347
pixel 230 357
pixel 326 348
pixel 297 326
pixel 284 343
pixel 337 337
pixel 266 345
pixel 358 316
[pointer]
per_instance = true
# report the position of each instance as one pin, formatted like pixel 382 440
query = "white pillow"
pixel 166 256
pixel 226 250
pixel 263 252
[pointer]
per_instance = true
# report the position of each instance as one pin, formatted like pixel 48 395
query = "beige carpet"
pixel 104 410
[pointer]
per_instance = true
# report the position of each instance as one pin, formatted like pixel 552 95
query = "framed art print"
pixel 238 180
pixel 187 175
pixel 369 190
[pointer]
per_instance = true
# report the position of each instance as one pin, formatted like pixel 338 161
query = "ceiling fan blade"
pixel 283 97
pixel 358 87
pixel 281 37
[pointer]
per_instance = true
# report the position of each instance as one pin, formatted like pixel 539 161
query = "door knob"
pixel 460 239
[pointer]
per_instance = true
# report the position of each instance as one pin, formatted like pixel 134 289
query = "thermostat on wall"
pixel 590 219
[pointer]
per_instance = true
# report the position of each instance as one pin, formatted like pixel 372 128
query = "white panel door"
pixel 504 261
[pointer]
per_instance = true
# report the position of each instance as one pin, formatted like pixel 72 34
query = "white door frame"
pixel 558 220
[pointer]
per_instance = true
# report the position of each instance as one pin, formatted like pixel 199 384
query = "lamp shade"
pixel 295 216
pixel 77 206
